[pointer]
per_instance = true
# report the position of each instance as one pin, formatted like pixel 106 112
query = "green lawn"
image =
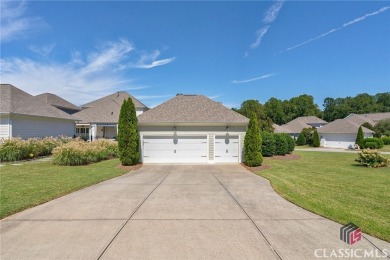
pixel 386 148
pixel 34 183
pixel 332 185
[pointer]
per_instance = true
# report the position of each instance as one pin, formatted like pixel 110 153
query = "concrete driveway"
pixel 175 212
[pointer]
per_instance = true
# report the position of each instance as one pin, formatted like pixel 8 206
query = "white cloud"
pixel 215 96
pixel 272 12
pixel 356 20
pixel 44 50
pixel 81 79
pixel 149 60
pixel 14 22
pixel 270 16
pixel 253 79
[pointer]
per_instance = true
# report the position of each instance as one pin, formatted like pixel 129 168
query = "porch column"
pixel 93 132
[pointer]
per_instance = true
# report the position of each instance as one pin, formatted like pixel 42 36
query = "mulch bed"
pixel 256 169
pixel 130 168
pixel 285 157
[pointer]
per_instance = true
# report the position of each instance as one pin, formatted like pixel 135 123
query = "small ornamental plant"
pixel 372 159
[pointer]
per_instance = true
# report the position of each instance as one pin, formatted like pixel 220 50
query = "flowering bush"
pixel 79 152
pixel 372 158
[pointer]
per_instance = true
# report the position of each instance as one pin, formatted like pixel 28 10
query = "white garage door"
pixel 339 140
pixel 178 149
pixel 226 149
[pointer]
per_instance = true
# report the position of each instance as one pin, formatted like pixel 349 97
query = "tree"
pixel 316 139
pixel 252 143
pixel 274 110
pixel 383 127
pixel 253 106
pixel 308 132
pixel 281 144
pixel 301 139
pixel 372 128
pixel 360 137
pixel 128 137
pixel 268 144
pixel 290 143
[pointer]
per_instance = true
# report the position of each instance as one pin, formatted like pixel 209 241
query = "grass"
pixel 333 186
pixel 386 148
pixel 34 183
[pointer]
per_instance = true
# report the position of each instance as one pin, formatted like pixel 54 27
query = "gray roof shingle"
pixel 14 100
pixel 296 125
pixel 56 101
pixel 191 109
pixel 106 109
pixel 280 129
pixel 371 118
pixel 342 126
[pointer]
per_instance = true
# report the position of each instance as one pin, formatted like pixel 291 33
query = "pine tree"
pixel 252 143
pixel 301 139
pixel 316 139
pixel 268 144
pixel 128 137
pixel 360 137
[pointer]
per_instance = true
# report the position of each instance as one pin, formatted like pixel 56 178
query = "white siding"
pixel 210 131
pixel 4 126
pixel 29 126
pixel 346 141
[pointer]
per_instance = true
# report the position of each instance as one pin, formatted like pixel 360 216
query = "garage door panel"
pixel 226 149
pixel 175 149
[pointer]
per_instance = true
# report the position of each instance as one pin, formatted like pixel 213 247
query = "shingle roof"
pixel 372 118
pixel 191 109
pixel 55 101
pixel 296 125
pixel 280 129
pixel 342 126
pixel 14 100
pixel 106 109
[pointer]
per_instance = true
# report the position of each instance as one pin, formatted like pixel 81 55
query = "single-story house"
pixel 280 129
pixel 294 127
pixel 192 129
pixel 99 118
pixel 341 133
pixel 26 116
pixel 372 118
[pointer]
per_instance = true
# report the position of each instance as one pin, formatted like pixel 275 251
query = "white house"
pixel 192 129
pixel 25 116
pixel 99 118
pixel 341 133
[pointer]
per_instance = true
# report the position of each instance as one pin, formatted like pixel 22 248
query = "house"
pixel 294 127
pixel 192 129
pixel 99 118
pixel 280 129
pixel 26 116
pixel 58 102
pixel 341 133
pixel 372 118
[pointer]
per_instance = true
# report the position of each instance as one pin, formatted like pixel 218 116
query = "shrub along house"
pixel 192 129
pixel 26 116
pixel 99 118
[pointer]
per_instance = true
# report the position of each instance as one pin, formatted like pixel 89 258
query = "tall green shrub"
pixel 316 139
pixel 268 144
pixel 360 137
pixel 128 137
pixel 290 143
pixel 281 144
pixel 301 139
pixel 252 143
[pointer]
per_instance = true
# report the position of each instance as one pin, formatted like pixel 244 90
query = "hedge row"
pixel 277 144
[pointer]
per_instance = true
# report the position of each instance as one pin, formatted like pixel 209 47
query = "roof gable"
pixel 343 126
pixel 296 125
pixel 191 109
pixel 117 98
pixel 55 101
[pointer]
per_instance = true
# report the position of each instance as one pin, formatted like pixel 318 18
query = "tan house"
pixel 192 129
pixel 99 118
pixel 294 127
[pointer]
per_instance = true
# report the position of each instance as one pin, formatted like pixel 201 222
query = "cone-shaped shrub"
pixel 128 137
pixel 301 139
pixel 268 144
pixel 316 139
pixel 360 137
pixel 290 143
pixel 252 143
pixel 281 144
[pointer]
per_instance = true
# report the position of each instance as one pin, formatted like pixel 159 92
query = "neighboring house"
pixel 280 129
pixel 341 133
pixel 99 118
pixel 192 129
pixel 25 116
pixel 372 118
pixel 294 127
pixel 58 102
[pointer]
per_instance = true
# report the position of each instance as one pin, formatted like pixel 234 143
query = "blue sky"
pixel 230 51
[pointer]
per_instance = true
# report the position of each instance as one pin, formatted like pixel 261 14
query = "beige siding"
pixel 29 127
pixel 211 147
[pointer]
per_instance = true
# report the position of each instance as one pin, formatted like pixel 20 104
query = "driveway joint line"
pixel 375 246
pixel 132 214
pixel 273 250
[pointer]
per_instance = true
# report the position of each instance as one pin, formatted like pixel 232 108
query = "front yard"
pixel 333 186
pixel 30 184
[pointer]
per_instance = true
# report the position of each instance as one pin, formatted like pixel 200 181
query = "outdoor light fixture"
pixel 227 130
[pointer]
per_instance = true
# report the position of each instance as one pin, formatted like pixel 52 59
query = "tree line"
pixel 283 111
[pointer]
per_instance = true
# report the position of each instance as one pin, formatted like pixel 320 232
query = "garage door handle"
pixel 217 156
pixel 146 142
pixel 204 156
pixel 203 142
pixel 235 156
pixel 146 156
